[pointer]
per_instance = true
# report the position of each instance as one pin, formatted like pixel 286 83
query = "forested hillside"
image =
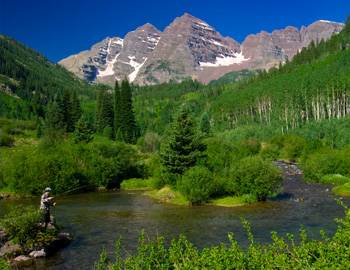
pixel 313 86
pixel 28 81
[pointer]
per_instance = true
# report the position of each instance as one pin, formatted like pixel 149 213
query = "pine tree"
pixel 117 112
pixel 76 109
pixel 183 148
pixel 205 124
pixel 105 112
pixel 55 117
pixel 128 125
pixel 98 110
pixel 83 131
pixel 66 104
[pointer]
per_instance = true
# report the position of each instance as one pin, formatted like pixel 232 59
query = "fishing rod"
pixel 74 189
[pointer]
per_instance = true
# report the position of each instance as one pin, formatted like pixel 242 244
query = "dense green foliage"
pixel 68 167
pixel 232 77
pixel 83 131
pixel 197 185
pixel 290 252
pixel 105 112
pixel 22 224
pixel 253 175
pixel 28 81
pixel 114 113
pixel 313 87
pixel 183 148
pixel 4 265
pixel 64 113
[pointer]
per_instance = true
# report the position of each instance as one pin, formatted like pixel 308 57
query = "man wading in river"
pixel 46 203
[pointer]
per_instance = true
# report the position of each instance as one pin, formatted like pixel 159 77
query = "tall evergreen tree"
pixel 76 109
pixel 128 125
pixel 55 117
pixel 205 124
pixel 183 148
pixel 66 104
pixel 105 112
pixel 117 112
pixel 83 131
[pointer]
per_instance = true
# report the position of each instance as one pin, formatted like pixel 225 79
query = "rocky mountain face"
pixel 189 47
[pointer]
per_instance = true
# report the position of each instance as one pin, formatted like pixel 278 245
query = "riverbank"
pixel 169 195
pixel 7 195
pixel 24 238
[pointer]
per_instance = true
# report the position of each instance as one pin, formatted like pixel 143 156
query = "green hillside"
pixel 234 76
pixel 314 86
pixel 29 81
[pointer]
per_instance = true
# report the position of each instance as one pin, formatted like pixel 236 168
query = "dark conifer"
pixel 117 112
pixel 127 118
pixel 183 148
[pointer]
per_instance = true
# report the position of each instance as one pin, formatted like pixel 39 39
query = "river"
pixel 98 219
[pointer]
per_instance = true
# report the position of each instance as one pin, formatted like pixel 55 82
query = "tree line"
pixel 115 117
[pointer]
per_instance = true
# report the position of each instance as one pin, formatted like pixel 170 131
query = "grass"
pixel 137 184
pixel 342 190
pixel 168 195
pixel 334 179
pixel 4 265
pixel 233 201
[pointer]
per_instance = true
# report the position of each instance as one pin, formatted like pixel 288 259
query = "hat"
pixel 47 189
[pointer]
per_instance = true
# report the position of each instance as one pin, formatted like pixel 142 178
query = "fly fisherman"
pixel 46 203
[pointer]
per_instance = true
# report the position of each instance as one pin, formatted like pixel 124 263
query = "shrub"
pixel 326 161
pixel 253 175
pixel 342 190
pixel 149 143
pixel 289 146
pixel 248 147
pixel 220 155
pixel 110 163
pixel 69 167
pixel 21 223
pixel 108 132
pixel 197 184
pixel 281 253
pixel 335 179
pixel 270 151
pixel 6 140
pixel 136 183
pixel 4 265
pixel 293 147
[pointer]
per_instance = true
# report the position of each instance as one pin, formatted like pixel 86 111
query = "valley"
pixel 180 132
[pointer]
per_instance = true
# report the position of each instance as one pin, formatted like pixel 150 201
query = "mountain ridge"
pixel 191 48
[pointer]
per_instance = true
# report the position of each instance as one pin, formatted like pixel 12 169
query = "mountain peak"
pixel 147 27
pixel 329 22
pixel 190 47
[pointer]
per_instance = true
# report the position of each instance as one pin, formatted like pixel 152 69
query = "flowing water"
pixel 98 219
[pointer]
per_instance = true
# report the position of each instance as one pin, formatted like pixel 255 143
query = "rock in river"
pixel 38 253
pixel 9 250
pixel 22 261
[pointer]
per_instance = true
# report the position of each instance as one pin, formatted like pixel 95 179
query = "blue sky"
pixel 58 28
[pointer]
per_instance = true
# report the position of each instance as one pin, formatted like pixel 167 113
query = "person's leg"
pixel 47 218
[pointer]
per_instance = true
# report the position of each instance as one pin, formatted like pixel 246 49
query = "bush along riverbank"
pixel 195 168
pixel 23 237
pixel 289 252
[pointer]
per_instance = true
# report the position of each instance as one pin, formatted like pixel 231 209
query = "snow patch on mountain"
pixel 137 66
pixel 110 63
pixel 204 26
pixel 119 41
pixel 222 61
pixel 217 43
pixel 109 69
pixel 327 21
